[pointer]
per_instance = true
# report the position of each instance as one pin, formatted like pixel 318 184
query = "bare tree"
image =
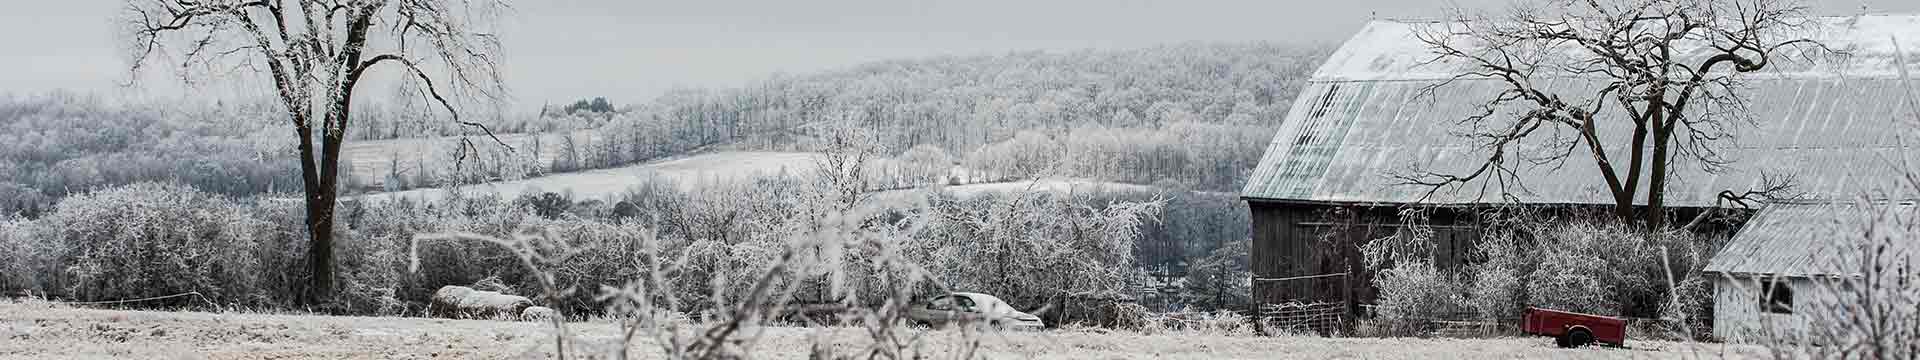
pixel 317 52
pixel 1670 70
pixel 846 151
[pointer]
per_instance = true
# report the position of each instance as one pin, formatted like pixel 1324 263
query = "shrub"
pixel 1417 291
pixel 111 244
pixel 153 239
pixel 1554 258
pixel 1498 289
pixel 1609 268
pixel 1222 280
pixel 26 259
pixel 991 243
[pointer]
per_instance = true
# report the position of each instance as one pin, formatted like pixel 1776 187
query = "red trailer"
pixel 1573 329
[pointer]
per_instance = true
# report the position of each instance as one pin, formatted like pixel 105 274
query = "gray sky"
pixel 631 50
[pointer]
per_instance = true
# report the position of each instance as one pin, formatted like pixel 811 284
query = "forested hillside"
pixel 57 144
pixel 1195 115
pixel 1191 115
pixel 1192 112
pixel 966 102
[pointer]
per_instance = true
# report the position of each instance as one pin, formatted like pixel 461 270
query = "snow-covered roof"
pixel 1392 50
pixel 1363 117
pixel 1821 240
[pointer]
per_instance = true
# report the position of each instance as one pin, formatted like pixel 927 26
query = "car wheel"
pixel 1562 341
pixel 1579 337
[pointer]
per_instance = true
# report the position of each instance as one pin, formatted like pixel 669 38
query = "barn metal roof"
pixel 1361 118
pixel 1821 240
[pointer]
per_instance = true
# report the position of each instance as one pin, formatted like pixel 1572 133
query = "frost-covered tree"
pixel 316 53
pixel 1036 246
pixel 846 151
pixel 1669 70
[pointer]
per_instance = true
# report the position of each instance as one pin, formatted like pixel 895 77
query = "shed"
pixel 1323 185
pixel 1795 266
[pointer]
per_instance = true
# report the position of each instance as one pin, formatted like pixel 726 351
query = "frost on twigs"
pixel 731 325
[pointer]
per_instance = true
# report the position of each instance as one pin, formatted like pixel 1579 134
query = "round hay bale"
pixel 538 313
pixel 465 302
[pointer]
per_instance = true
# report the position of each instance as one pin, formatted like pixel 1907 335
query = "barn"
pixel 1794 267
pixel 1325 185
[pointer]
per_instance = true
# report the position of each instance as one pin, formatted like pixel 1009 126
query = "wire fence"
pixel 1296 317
pixel 198 295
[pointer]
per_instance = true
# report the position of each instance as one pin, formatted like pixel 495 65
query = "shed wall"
pixel 1737 316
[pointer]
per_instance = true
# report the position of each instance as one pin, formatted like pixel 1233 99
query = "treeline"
pixel 155 239
pixel 384 121
pixel 1194 113
pixel 58 144
pixel 1211 157
pixel 965 103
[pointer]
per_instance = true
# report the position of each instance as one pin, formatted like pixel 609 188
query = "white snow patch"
pixel 606 184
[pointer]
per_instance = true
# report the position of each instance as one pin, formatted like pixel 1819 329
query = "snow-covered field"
pixel 604 184
pixel 1048 185
pixel 372 160
pixel 38 330
pixel 905 198
pixel 709 168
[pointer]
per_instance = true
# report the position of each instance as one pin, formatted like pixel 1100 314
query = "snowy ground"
pixel 45 331
pixel 604 184
pixel 1047 185
pixel 708 168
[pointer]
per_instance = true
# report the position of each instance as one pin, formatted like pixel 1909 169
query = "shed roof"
pixel 1361 118
pixel 1821 240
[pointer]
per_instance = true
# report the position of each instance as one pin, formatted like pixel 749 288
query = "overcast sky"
pixel 631 50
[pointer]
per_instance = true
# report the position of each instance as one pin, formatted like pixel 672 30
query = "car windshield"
pixel 989 304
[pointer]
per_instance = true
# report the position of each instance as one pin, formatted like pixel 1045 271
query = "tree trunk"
pixel 323 191
pixel 1657 181
pixel 320 249
pixel 322 198
pixel 1623 210
pixel 319 211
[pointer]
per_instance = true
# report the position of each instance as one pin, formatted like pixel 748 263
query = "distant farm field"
pixel 44 331
pixel 708 168
pixel 604 184
pixel 371 161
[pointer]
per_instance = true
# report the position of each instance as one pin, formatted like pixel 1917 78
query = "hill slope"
pixel 1194 113
pixel 607 184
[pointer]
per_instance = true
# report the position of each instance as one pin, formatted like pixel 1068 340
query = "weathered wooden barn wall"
pixel 1276 252
pixel 1300 250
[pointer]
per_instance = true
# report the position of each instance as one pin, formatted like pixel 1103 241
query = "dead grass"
pixel 39 330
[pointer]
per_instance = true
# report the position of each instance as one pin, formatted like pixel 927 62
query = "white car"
pixel 965 307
